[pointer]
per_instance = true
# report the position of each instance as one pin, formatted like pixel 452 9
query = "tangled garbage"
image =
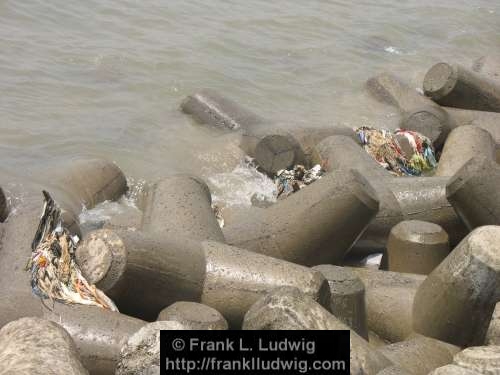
pixel 386 148
pixel 54 272
pixel 290 181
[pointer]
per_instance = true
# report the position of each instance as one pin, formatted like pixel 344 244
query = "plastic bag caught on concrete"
pixel 403 152
pixel 54 272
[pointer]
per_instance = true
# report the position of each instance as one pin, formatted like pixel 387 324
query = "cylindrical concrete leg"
pixel 339 152
pixel 389 301
pixel 181 205
pixel 288 308
pixel 416 247
pixel 483 359
pixel 387 88
pixel 278 151
pixel 194 315
pixel 313 226
pixel 419 354
pixel 485 120
pixel 453 370
pixel 209 107
pixel 76 184
pixel 348 297
pixel 429 120
pixel 310 137
pixel 272 147
pixel 143 273
pixel 456 301
pixel 473 191
pixel 98 334
pixel 225 278
pixel 236 278
pixel 38 346
pixel 84 182
pixel 455 86
pixel 464 143
pixel 493 333
pixel 424 199
pixel 141 353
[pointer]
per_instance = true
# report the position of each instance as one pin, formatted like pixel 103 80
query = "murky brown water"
pixel 105 78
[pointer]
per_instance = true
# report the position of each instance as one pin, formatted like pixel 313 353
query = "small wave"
pixel 237 187
pixel 97 216
pixel 393 50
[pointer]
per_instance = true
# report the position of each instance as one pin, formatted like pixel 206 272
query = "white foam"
pixel 394 50
pixel 237 187
pixel 104 211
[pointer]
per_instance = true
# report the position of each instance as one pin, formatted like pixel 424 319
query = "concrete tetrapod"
pixel 194 315
pixel 401 198
pixel 342 153
pixel 464 143
pixel 181 205
pixel 315 225
pixel 419 354
pixel 98 333
pixel 426 117
pixel 456 86
pixel 288 308
pixel 389 301
pixel 278 149
pixel 348 297
pixel 473 192
pixel 455 302
pixel 37 346
pixel 223 277
pixel 416 247
pixel 483 359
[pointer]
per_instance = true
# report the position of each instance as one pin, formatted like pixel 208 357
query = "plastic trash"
pixel 289 181
pixel 383 146
pixel 54 272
